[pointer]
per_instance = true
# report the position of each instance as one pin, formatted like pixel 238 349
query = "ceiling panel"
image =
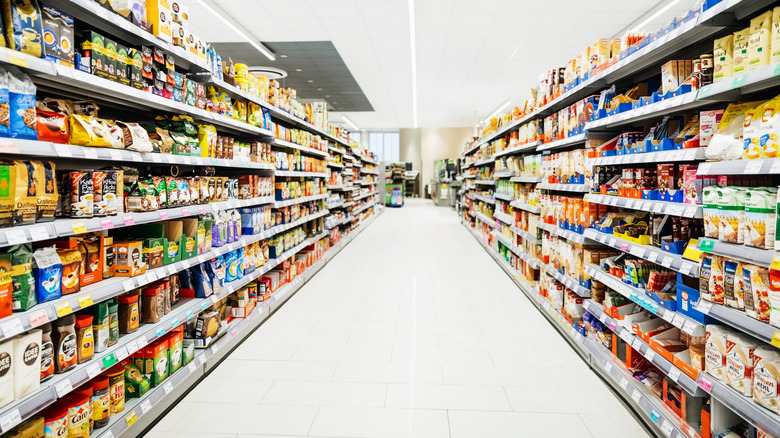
pixel 472 55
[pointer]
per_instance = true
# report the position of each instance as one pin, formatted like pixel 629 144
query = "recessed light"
pixel 282 56
pixel 310 81
pixel 319 89
pixel 327 95
pixel 297 69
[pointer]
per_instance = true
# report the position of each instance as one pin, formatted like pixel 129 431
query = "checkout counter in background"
pixel 444 187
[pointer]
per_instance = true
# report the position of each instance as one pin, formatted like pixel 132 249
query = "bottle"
pixel 85 338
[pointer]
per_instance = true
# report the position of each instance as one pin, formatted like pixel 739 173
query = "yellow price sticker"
pixel 776 339
pixel 63 309
pixel 78 227
pixel 132 418
pixel 15 59
pixel 775 265
pixel 85 301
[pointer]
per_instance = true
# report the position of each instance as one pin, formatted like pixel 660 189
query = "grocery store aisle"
pixel 412 330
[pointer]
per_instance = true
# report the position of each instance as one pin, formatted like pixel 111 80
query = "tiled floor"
pixel 412 330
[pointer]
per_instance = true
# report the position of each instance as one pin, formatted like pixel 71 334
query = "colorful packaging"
pixel 47 271
pixel 21 95
pixel 739 362
pixel 765 376
pixel 23 27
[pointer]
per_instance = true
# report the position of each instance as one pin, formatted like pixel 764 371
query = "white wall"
pixel 423 146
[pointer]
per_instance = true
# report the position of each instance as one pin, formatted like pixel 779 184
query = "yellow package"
pixel 768 128
pixel 758 42
pixel 207 139
pixel 723 58
pixel 23 26
pixel 87 131
pixel 740 52
pixel 239 110
pixel 775 42
pixel 750 133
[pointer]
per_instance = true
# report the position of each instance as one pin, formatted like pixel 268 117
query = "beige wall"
pixel 423 146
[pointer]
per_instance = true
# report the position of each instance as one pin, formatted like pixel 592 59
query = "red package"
pixel 52 127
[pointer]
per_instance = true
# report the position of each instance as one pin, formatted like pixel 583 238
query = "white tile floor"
pixel 411 331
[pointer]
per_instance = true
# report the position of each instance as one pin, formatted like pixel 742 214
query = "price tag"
pixel 623 382
pixel 624 247
pixel 630 203
pixel 128 219
pixel 612 325
pixel 39 233
pixel 115 155
pixel 146 406
pixel 170 158
pixel 63 387
pixel 78 227
pixel 637 344
pixel 612 241
pixel 63 309
pixel 175 322
pixel 233 332
pixel 12 328
pixel 201 210
pixel 638 251
pixel 62 150
pixel 107 434
pixel 85 301
pixel 608 367
pixel 15 237
pixel 93 370
pixel 655 415
pixel 667 261
pixel 658 208
pixel 106 224
pixel 38 318
pixel 636 395
pixel 650 354
pixel 157 158
pixel 753 167
pixel 167 387
pixel 202 359
pixel 674 373
pixel 689 327
pixel 120 353
pixel 678 320
pixel 131 419
pixel 9 420
pixel 160 331
pixel 704 169
pixel 667 428
pixel 128 285
pixel 653 256
pixel 109 361
pixel 164 215
pixel 185 211
pixel 738 81
pixel 191 367
pixel 135 156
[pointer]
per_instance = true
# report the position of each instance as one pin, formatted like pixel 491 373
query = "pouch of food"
pixel 116 138
pixel 756 282
pixel 215 269
pixel 201 282
pixel 52 127
pixel 87 131
pixel 715 351
pixel 21 96
pixel 723 54
pixel 760 217
pixel 71 270
pixel 739 362
pixel 732 284
pixel 47 271
pixel 751 143
pixel 770 124
pixel 758 42
pixel 23 26
pixel 710 212
pixel 46 189
pixel 731 212
pixel 705 276
pixel 717 293
pixel 765 376
pixel 135 137
pixel 22 277
pixel 136 383
pixel 25 193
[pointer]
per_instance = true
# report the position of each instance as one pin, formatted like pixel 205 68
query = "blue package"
pixel 21 98
pixel 47 271
pixel 4 100
pixel 201 282
pixel 240 263
pixel 231 267
pixel 215 268
pixel 247 223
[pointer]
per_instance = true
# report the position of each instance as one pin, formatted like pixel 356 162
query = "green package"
pixel 22 278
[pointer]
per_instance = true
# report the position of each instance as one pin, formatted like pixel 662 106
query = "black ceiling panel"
pixel 318 61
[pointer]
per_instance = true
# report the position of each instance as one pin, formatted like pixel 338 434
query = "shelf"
pixel 527 207
pixel 365 195
pixel 63 227
pixel 574 188
pixel 367 183
pixel 485 182
pixel 366 159
pixel 504 197
pixel 362 208
pixel 675 104
pixel 660 207
pixel 485 219
pixel 336 150
pixel 503 175
pixel 485 199
pixel 562 143
pixel 483 162
pixel 287 203
pixel 566 234
pixel 109 288
pixel 526 179
pixel 663 364
pixel 67 79
pixel 743 406
pixel 335 165
pixel 341 188
pixel 304 149
pixel 567 281
pixel 469 176
pixel 525 235
pixel 297 174
pixel 531 146
pixel 679 155
pixel 769 166
pixel 369 172
pixel 503 217
pixel 740 320
pixel 732 89
pixel 533 262
pixel 750 254
pixel 656 255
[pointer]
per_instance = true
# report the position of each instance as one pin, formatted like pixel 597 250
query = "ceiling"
pixel 471 55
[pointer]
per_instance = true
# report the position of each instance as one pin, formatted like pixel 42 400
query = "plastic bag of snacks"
pixel 21 94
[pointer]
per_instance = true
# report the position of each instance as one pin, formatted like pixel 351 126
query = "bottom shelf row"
pixel 169 355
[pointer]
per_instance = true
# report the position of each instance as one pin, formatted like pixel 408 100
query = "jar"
pixel 85 338
pixel 47 352
pixel 63 336
pixel 113 322
pixel 129 317
pixel 86 390
pixel 100 326
pixel 78 414
pixel 101 401
pixel 153 304
pixel 116 387
pixel 55 422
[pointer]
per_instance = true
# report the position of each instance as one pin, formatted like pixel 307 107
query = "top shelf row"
pixel 648 54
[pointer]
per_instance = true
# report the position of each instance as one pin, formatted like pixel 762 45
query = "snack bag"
pixel 768 127
pixel 71 270
pixel 46 189
pixel 87 131
pixel 717 292
pixel 731 212
pixel 22 277
pixel 21 95
pixel 760 217
pixel 47 271
pixel 23 26
pixel 52 127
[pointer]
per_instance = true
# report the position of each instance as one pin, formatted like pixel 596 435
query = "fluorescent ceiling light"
pixel 413 43
pixel 229 23
pixel 656 15
pixel 349 122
